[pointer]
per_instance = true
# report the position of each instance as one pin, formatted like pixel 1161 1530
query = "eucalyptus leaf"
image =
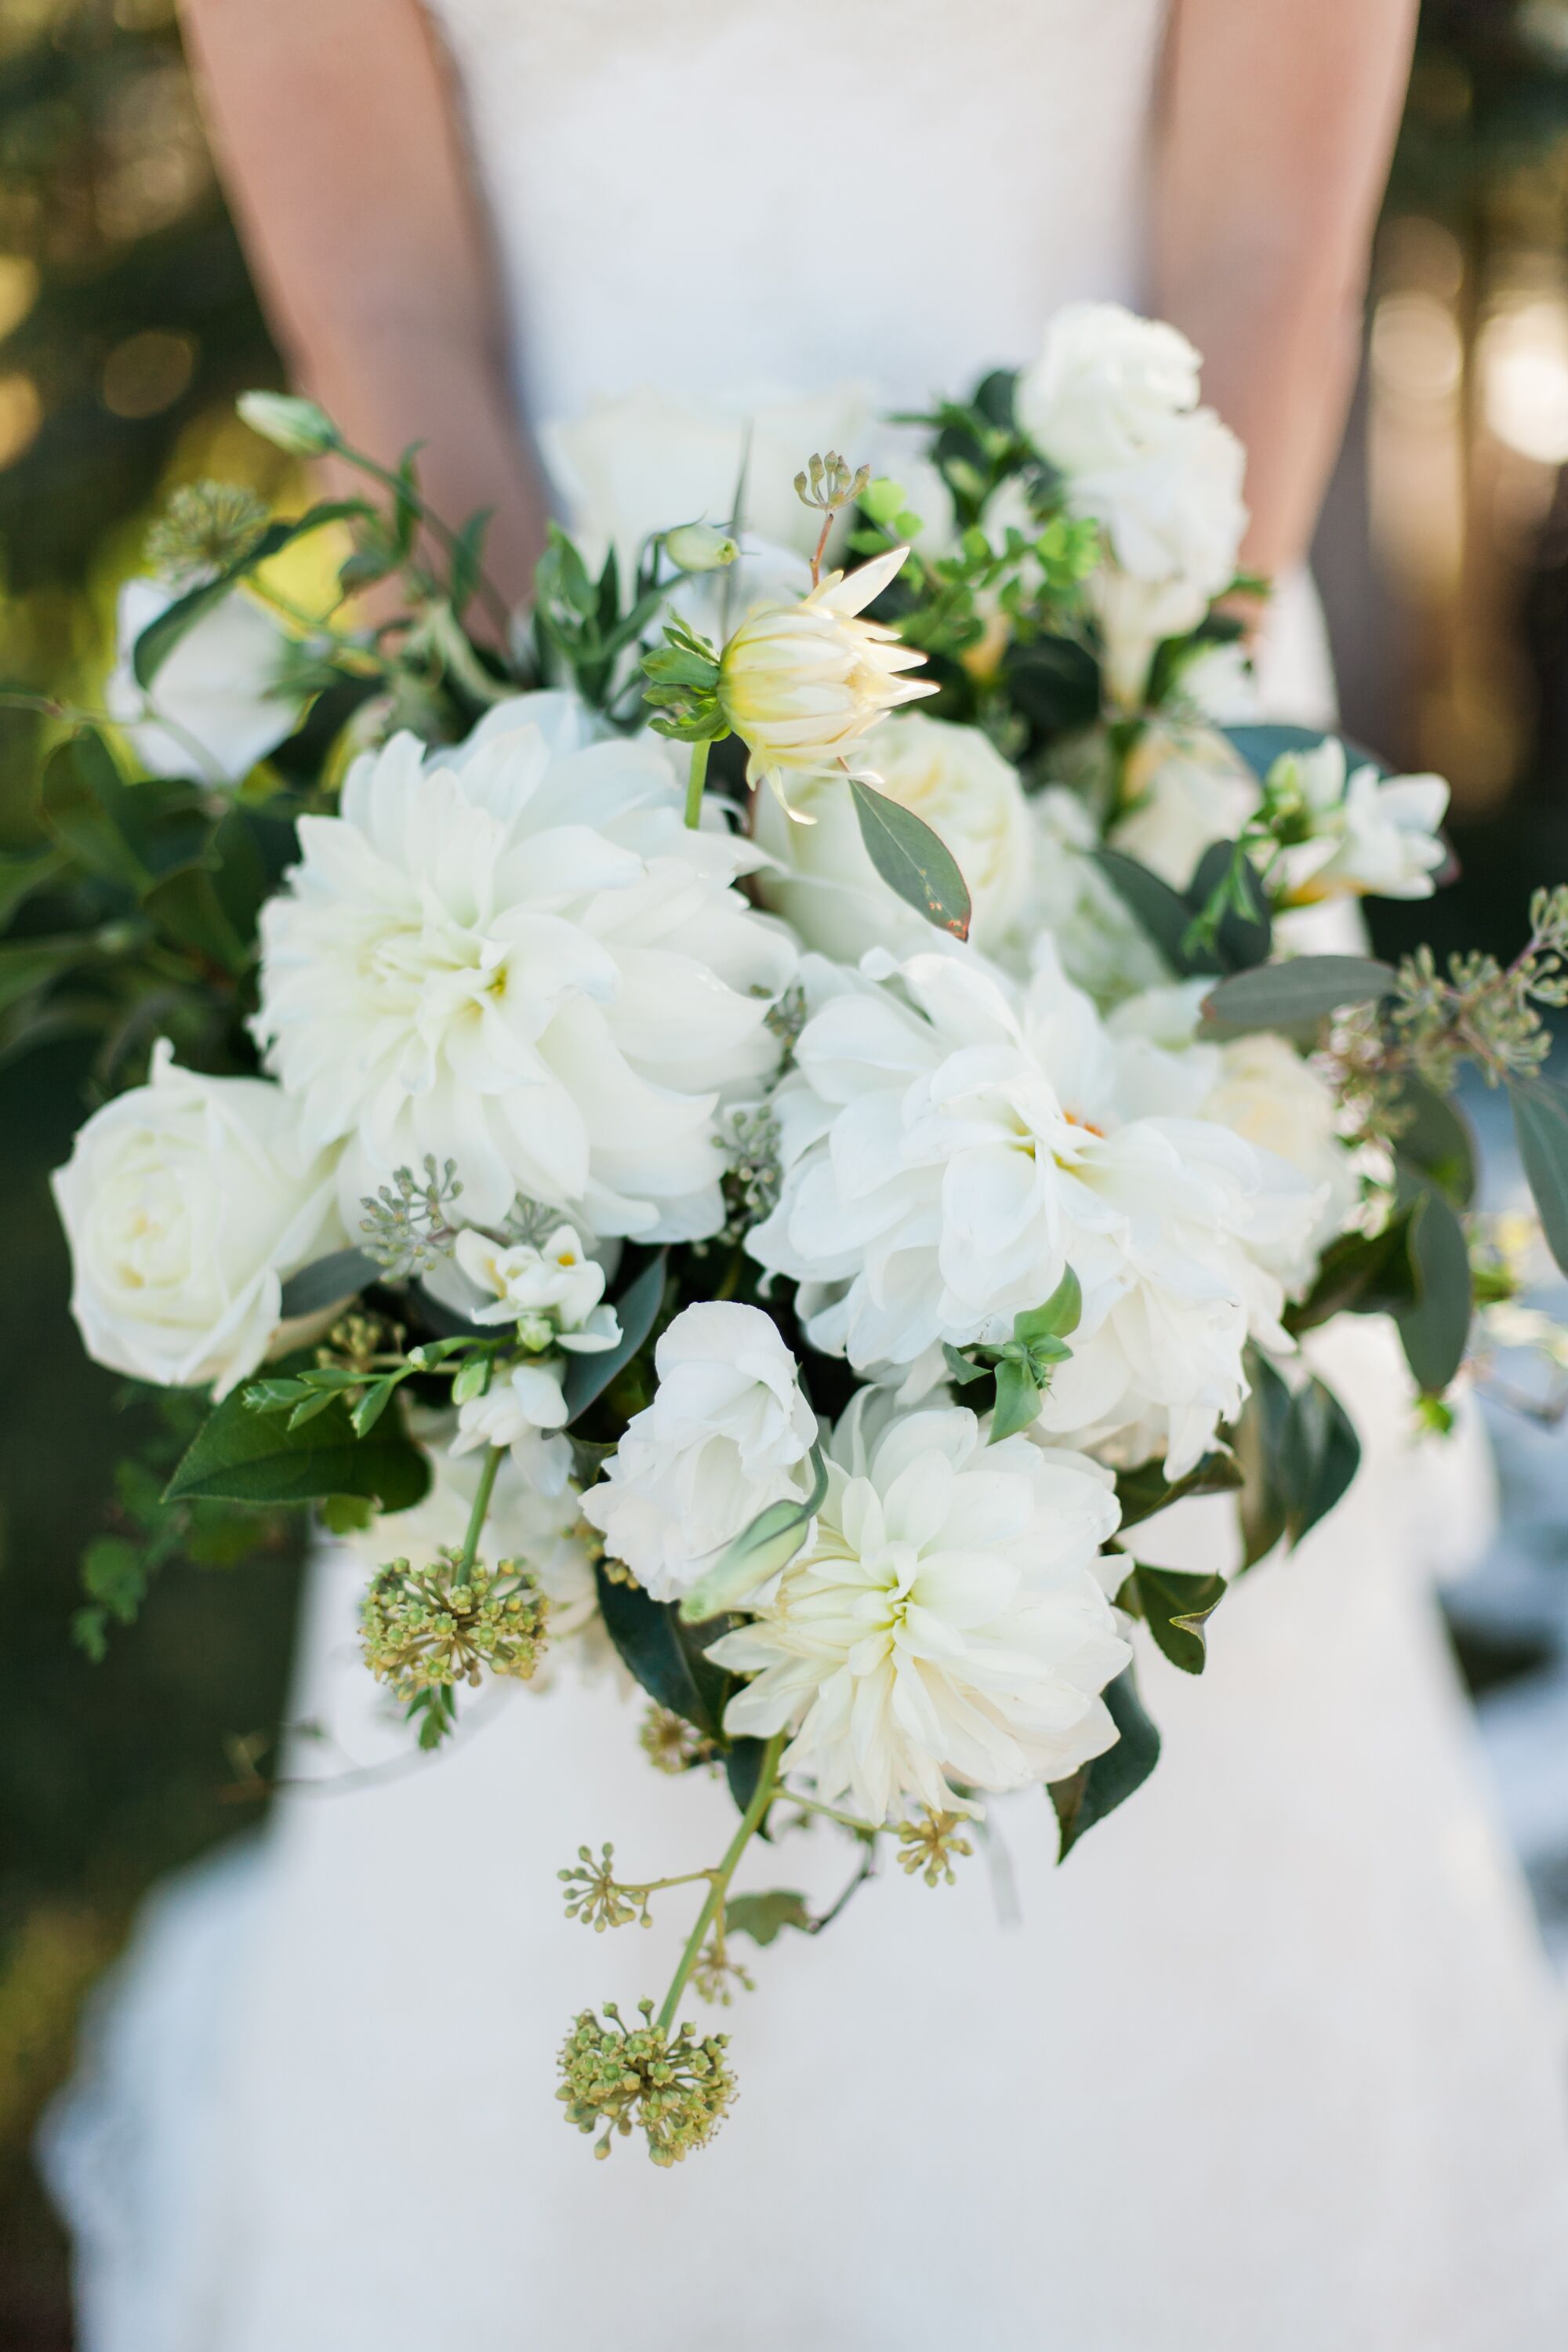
pixel 1097 1787
pixel 241 1456
pixel 665 1656
pixel 327 1279
pixel 1436 1138
pixel 1435 1328
pixel 912 860
pixel 587 1376
pixel 765 1917
pixel 1290 996
pixel 1541 1126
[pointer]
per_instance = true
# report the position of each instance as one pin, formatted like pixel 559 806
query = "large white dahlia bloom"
pixel 512 954
pixel 948 1620
pixel 952 1143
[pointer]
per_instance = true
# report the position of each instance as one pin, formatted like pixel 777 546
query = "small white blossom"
pixel 554 1293
pixel 728 1433
pixel 1353 834
pixel 947 1621
pixel 185 1201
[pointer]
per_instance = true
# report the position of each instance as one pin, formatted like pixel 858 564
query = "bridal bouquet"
pixel 760 1118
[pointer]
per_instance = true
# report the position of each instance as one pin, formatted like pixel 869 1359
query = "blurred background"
pixel 127 325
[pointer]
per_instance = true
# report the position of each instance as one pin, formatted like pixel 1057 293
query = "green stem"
pixel 488 593
pixel 697 776
pixel 354 659
pixel 832 1813
pixel 761 1797
pixel 478 1514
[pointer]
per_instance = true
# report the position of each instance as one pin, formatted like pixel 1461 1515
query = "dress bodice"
pixel 731 199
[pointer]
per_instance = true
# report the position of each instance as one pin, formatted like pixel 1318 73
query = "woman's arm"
pixel 1279 121
pixel 336 138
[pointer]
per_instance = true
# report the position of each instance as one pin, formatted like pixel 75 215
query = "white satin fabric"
pixel 1272 2060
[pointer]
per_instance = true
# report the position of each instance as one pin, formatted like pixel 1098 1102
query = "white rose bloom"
pixel 1187 789
pixel 1360 834
pixel 216 705
pixel 1102 948
pixel 953 778
pixel 185 1202
pixel 1104 385
pixel 513 955
pixel 799 682
pixel 728 1433
pixel 946 1622
pixel 952 1144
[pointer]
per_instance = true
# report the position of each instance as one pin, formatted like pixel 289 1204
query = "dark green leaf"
pixel 1433 1331
pixel 665 1656
pixel 1319 1453
pixel 467 560
pixel 1174 1606
pixel 159 637
pixel 19 876
pixel 1293 996
pixel 1243 940
pixel 1053 682
pixel 1258 1437
pixel 764 1916
pixel 327 1279
pixel 27 964
pixel 1261 746
pixel 588 1376
pixel 187 906
pixel 1437 1140
pixel 1362 1274
pixel 742 1766
pixel 1163 912
pixel 1146 1490
pixel 87 806
pixel 1541 1125
pixel 912 860
pixel 241 1456
pixel 1096 1788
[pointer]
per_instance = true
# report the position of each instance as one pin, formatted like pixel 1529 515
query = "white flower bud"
pixel 290 423
pixel 700 547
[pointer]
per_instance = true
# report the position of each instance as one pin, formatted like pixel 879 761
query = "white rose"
pixel 216 705
pixel 728 1433
pixel 1174 520
pixel 185 1201
pixel 953 778
pixel 1267 1094
pixel 1187 789
pixel 1103 385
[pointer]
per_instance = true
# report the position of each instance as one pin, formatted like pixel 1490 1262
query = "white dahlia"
pixel 947 1621
pixel 513 955
pixel 952 1144
pixel 800 682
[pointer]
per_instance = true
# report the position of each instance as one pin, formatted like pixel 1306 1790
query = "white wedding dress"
pixel 1271 2064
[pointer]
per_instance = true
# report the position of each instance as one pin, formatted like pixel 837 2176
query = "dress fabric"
pixel 1273 2060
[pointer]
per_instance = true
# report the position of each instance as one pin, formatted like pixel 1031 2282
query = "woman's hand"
pixel 1277 124
pixel 338 141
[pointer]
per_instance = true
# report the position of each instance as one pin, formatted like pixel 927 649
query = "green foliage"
pixel 1096 1788
pixel 666 1656
pixel 1201 931
pixel 1295 995
pixel 1175 1607
pixel 1540 1126
pixel 1299 1452
pixel 912 860
pixel 240 1454
pixel 1434 1328
pixel 589 1375
pixel 583 631
pixel 1145 1490
pixel 765 1917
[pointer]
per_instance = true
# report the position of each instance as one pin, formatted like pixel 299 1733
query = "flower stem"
pixel 761 1797
pixel 488 593
pixel 478 1514
pixel 696 777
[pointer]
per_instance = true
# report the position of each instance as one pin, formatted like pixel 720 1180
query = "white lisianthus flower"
pixel 950 1145
pixel 1102 947
pixel 185 1202
pixel 218 702
pixel 1352 834
pixel 953 777
pixel 800 682
pixel 728 1433
pixel 1105 384
pixel 522 1413
pixel 947 1621
pixel 512 954
pixel 1185 790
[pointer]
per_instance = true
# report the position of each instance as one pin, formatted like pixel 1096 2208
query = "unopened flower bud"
pixel 290 423
pixel 700 547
